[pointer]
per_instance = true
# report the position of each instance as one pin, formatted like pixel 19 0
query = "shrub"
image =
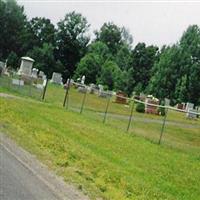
pixel 140 107
pixel 161 111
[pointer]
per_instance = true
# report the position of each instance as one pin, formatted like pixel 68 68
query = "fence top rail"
pixel 139 101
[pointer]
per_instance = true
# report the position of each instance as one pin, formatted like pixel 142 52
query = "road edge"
pixel 55 183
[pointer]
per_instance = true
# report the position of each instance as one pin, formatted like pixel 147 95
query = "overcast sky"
pixel 152 22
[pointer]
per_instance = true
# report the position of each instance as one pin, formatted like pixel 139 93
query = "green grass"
pixel 6 86
pixel 103 160
pixel 55 95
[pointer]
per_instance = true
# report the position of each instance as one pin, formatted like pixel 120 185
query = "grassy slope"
pixel 101 159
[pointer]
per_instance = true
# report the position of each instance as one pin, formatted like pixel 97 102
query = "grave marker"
pixel 56 78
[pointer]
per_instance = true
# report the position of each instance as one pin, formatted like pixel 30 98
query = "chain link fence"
pixel 24 86
pixel 173 128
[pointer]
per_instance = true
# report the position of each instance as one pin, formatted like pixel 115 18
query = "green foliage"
pixel 143 60
pixel 124 58
pixel 90 65
pixel 71 41
pixel 176 74
pixel 110 34
pixel 38 31
pixel 140 107
pixel 172 72
pixel 100 49
pixel 44 59
pixel 109 74
pixel 12 21
pixel 13 60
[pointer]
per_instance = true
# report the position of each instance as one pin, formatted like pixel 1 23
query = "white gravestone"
pixel 41 86
pixel 83 79
pixel 26 66
pixel 167 102
pixel 17 82
pixel 2 67
pixel 34 73
pixel 41 74
pixel 189 108
pixel 56 78
pixel 2 64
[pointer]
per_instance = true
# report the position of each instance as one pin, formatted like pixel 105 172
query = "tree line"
pixel 109 59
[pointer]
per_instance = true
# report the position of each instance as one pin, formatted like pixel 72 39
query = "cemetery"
pixel 144 126
pixel 56 78
pixel 26 80
pixel 71 128
pixel 115 112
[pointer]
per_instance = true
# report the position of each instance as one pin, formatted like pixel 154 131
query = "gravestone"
pixel 26 66
pixel 42 75
pixel 82 89
pixel 151 108
pixel 68 84
pixel 121 98
pixel 83 80
pixel 167 102
pixel 91 88
pixel 190 111
pixel 56 78
pixel 180 106
pixel 189 106
pixel 103 94
pixel 17 82
pixel 142 96
pixel 2 67
pixel 41 86
pixel 34 73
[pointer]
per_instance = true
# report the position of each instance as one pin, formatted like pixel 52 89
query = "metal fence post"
pixel 163 126
pixel 44 90
pixel 106 111
pixel 30 94
pixel 10 81
pixel 19 82
pixel 66 93
pixel 83 102
pixel 130 117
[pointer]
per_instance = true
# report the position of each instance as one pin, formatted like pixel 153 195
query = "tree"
pixel 190 41
pixel 71 41
pixel 12 20
pixel 110 34
pixel 143 59
pixel 124 58
pixel 44 59
pixel 165 74
pixel 109 74
pixel 127 38
pixel 90 66
pixel 100 49
pixel 194 84
pixel 37 32
pixel 177 73
pixel 13 60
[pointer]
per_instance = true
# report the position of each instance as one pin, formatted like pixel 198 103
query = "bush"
pixel 161 111
pixel 140 107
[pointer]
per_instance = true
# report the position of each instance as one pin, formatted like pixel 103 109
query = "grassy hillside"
pixel 104 160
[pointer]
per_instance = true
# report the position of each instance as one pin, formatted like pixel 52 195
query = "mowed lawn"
pixel 102 160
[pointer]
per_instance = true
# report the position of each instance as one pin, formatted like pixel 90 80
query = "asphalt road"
pixel 18 183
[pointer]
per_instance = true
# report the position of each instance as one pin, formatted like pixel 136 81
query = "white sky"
pixel 152 22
